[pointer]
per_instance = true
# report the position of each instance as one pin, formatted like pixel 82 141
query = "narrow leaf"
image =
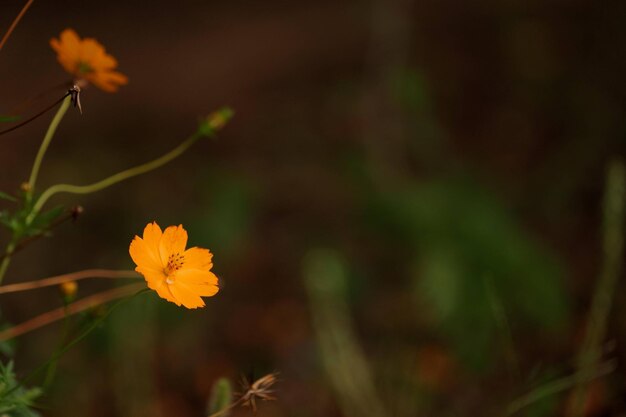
pixel 5 196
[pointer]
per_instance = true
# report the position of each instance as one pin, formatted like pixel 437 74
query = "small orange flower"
pixel 177 275
pixel 87 60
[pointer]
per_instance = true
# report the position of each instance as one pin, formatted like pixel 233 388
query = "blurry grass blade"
pixel 325 275
pixel 613 245
pixel 221 397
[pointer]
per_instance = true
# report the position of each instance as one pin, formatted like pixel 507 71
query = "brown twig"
pixel 15 22
pixel 61 312
pixel 73 276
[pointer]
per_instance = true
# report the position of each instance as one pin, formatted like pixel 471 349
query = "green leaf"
pixel 6 196
pixel 8 220
pixel 43 221
pixel 221 396
pixel 8 119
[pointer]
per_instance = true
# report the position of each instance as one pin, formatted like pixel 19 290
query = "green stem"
pixel 113 179
pixel 46 141
pixel 56 120
pixel 52 367
pixel 7 258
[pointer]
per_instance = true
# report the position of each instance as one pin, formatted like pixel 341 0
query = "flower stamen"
pixel 174 263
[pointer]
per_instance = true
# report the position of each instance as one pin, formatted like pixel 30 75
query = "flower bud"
pixel 68 290
pixel 215 121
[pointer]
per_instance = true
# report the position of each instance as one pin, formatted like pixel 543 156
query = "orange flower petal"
pixel 152 237
pixel 107 81
pixel 201 290
pixel 143 255
pixel 198 258
pixel 87 59
pixel 157 281
pixel 182 280
pixel 68 43
pixel 196 276
pixel 173 242
pixel 186 297
pixel 68 63
pixel 90 51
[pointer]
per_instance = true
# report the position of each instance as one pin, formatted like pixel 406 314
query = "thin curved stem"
pixel 6 260
pixel 47 139
pixel 15 22
pixel 114 179
pixel 61 312
pixel 227 408
pixel 73 276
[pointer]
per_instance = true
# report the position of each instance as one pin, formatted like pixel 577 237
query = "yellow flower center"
pixel 84 68
pixel 174 263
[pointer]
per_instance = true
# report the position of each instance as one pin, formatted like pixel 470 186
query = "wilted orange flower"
pixel 86 59
pixel 178 275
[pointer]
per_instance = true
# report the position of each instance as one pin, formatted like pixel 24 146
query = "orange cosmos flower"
pixel 178 275
pixel 87 60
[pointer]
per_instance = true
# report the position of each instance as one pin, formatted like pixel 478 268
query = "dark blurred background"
pixel 405 211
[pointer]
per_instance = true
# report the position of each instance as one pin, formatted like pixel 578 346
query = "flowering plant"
pixel 177 274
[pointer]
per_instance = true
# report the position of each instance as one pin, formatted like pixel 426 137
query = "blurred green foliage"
pixel 466 246
pixel 226 225
pixel 15 400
